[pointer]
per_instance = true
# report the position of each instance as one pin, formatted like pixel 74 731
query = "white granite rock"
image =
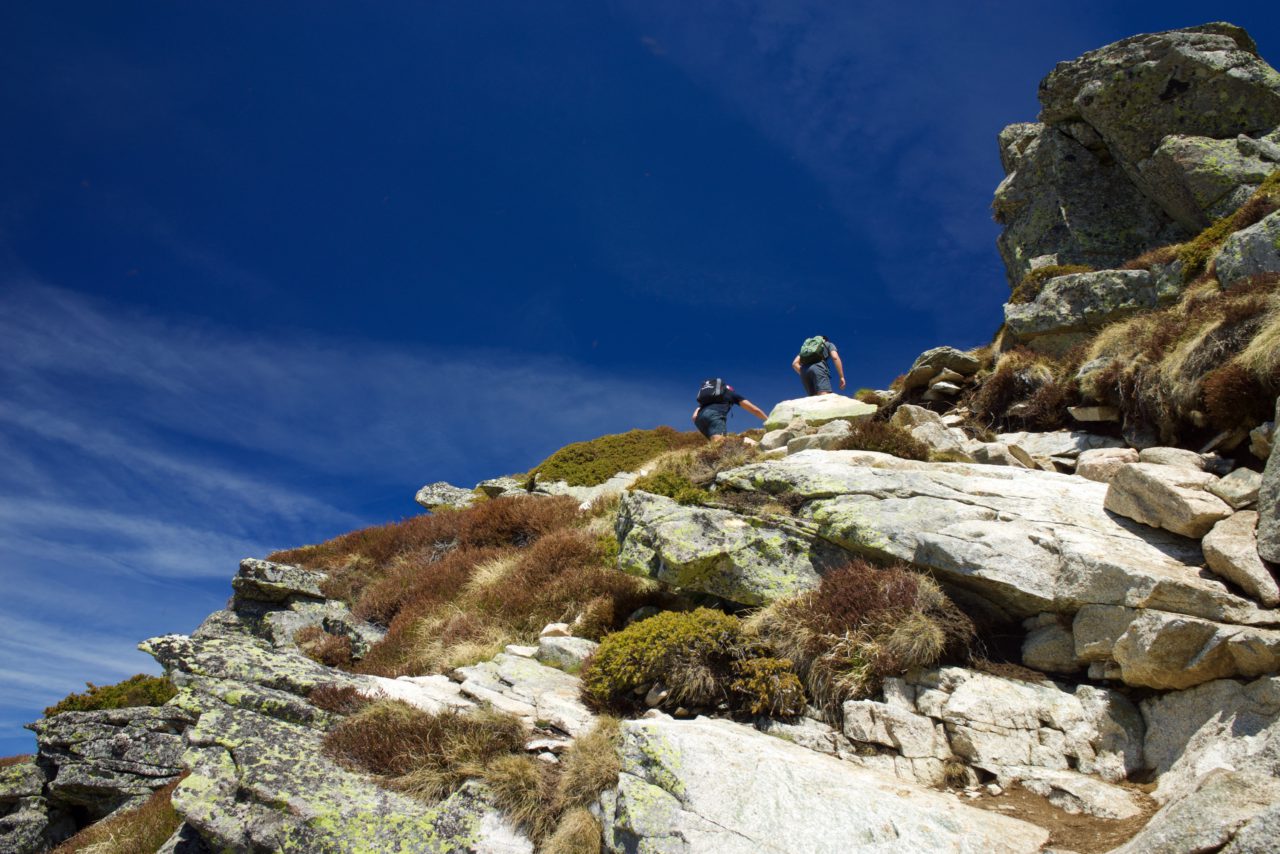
pixel 1166 496
pixel 1231 550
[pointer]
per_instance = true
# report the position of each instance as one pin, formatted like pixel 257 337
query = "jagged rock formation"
pixel 1140 144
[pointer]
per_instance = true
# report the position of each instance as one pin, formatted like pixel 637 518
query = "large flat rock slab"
pixel 1027 541
pixel 717 786
pixel 818 410
pixel 743 559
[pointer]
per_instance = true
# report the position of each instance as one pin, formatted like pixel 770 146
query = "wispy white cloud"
pixel 149 453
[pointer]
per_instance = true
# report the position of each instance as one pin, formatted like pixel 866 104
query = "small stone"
pixel 555 630
pixel 520 650
pixel 656 695
pixel 1231 550
pixel 1260 439
pixel 994 790
pixel 946 375
pixel 1172 457
pixel 1166 496
pixel 549 758
pixel 942 391
pixel 1101 464
pixel 1239 489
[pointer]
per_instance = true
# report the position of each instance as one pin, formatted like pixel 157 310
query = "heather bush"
pixel 864 622
pixel 339 699
pixel 886 438
pixel 593 462
pixel 139 690
pixel 321 646
pixel 8 761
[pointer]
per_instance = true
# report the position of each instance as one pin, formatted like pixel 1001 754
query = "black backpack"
pixel 712 391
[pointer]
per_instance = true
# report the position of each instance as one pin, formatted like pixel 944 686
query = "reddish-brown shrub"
pixel 1234 397
pixel 1152 258
pixel 392 739
pixel 142 828
pixel 339 699
pixel 861 592
pixel 8 761
pixel 417 587
pixel 328 649
pixel 516 521
pixel 379 544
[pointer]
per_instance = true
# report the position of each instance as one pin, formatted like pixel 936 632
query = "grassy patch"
pixel 674 486
pixel 1033 282
pixel 1213 359
pixel 1020 376
pixel 886 438
pixel 864 622
pixel 144 828
pixel 7 761
pixel 592 463
pixel 139 690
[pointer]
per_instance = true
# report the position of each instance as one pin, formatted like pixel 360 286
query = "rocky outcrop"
pixel 433 496
pixel 1159 649
pixel 818 410
pixel 681 790
pixel 1071 309
pixel 927 427
pixel 1062 198
pixel 1026 541
pixel 29 821
pixel 529 690
pixel 114 758
pixel 743 559
pixel 1141 144
pixel 1101 464
pixel 1250 251
pixel 264 581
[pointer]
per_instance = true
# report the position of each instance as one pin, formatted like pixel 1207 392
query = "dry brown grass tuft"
pixel 1157 257
pixel 523 788
pixel 143 828
pixel 577 833
pixel 590 766
pixel 885 438
pixel 425 755
pixel 7 761
pixel 1215 349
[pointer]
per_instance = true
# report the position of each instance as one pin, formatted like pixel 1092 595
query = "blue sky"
pixel 265 269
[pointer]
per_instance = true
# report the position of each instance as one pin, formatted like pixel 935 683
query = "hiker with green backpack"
pixel 715 399
pixel 811 364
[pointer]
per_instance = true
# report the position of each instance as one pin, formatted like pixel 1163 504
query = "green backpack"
pixel 813 350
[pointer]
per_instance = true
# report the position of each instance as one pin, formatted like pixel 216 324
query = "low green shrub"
pixel 593 462
pixel 768 686
pixel 683 650
pixel 1033 282
pixel 139 690
pixel 886 438
pixel 672 485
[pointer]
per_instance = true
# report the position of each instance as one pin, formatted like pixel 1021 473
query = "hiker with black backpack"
pixel 811 364
pixel 715 399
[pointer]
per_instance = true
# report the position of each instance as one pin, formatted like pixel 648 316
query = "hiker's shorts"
pixel 711 422
pixel 816 378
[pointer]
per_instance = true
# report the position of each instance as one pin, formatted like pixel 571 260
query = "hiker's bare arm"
pixel 835 357
pixel 795 364
pixel 753 409
pixel 695 415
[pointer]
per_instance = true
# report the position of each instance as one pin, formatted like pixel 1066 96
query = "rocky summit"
pixel 1024 600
